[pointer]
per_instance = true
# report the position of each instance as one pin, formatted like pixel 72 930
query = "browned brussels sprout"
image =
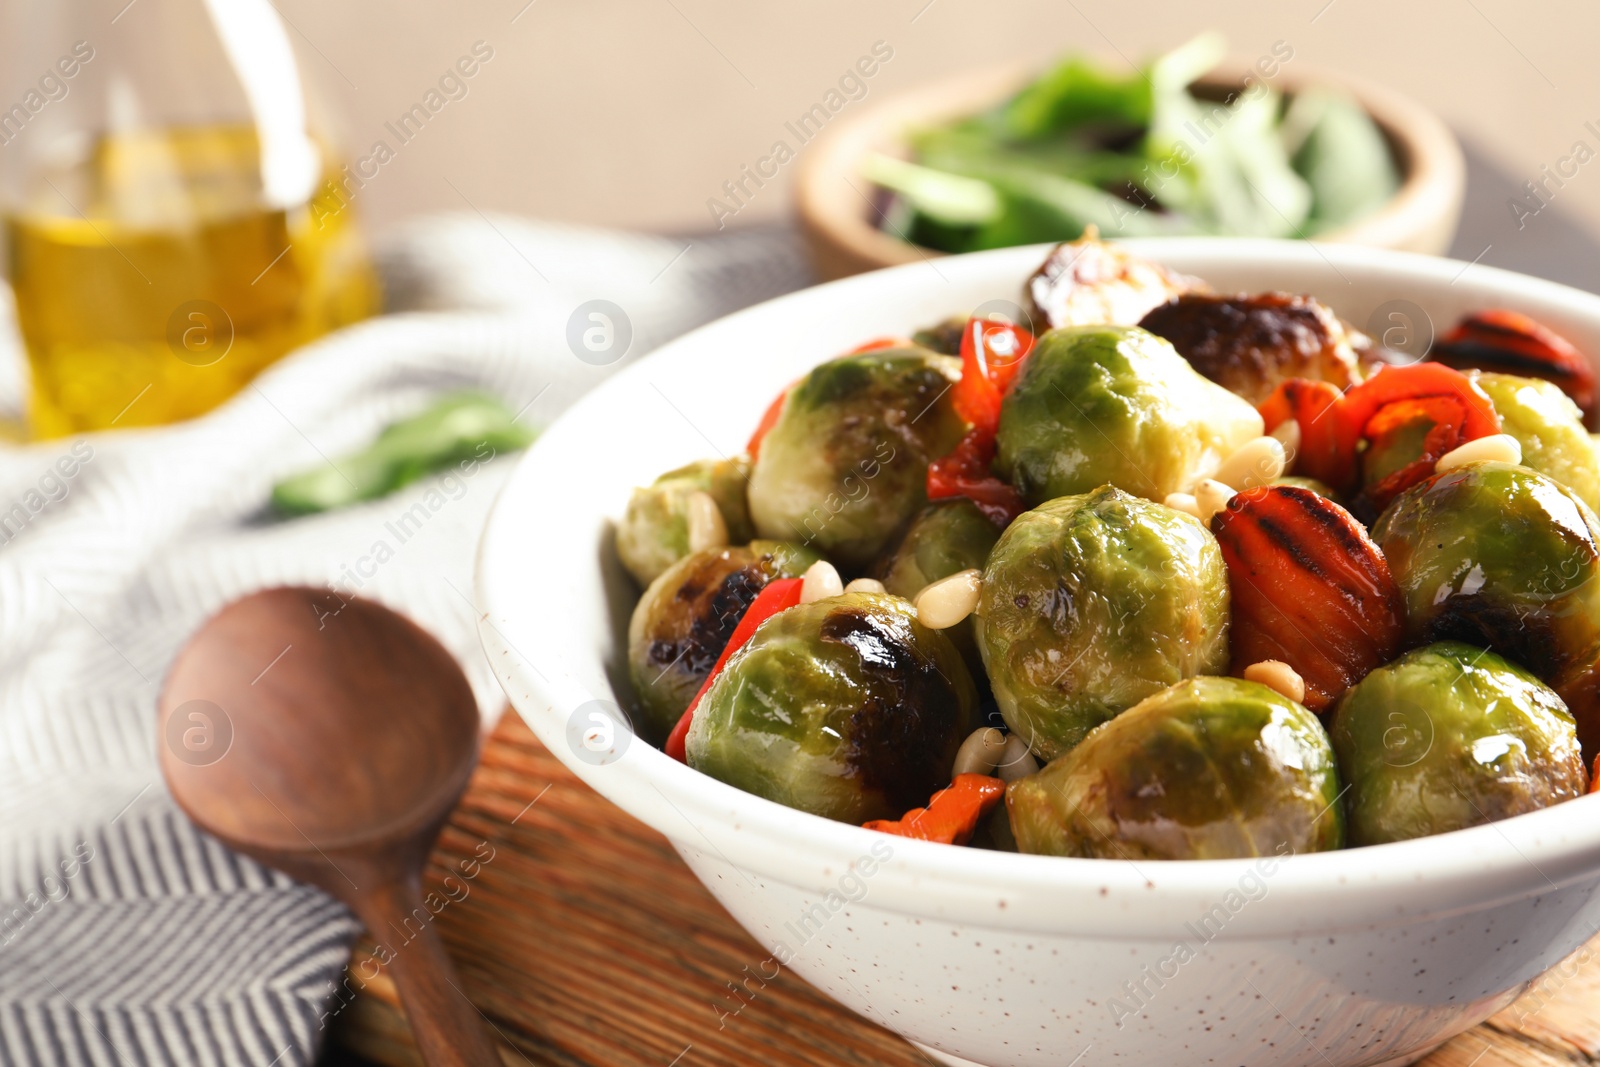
pixel 654 531
pixel 685 618
pixel 1210 768
pixel 1092 603
pixel 1451 736
pixel 846 464
pixel 1504 558
pixel 946 537
pixel 846 707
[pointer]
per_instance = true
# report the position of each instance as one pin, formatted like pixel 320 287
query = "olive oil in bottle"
pixel 161 234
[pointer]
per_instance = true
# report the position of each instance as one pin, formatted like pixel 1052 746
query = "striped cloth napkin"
pixel 127 936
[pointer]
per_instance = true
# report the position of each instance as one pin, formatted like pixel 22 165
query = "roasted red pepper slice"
pixel 1404 441
pixel 991 354
pixel 774 597
pixel 1333 426
pixel 965 472
pixel 952 815
pixel 1510 342
pixel 1308 587
pixel 1310 403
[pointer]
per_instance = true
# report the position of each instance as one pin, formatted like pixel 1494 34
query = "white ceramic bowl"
pixel 1361 957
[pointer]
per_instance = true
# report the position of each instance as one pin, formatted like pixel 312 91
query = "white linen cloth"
pixel 127 936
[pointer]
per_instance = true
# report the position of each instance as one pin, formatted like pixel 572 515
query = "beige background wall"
pixel 632 112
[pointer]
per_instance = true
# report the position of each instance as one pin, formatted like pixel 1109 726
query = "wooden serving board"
pixel 585 941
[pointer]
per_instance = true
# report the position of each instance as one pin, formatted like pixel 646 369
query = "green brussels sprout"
pixel 846 464
pixel 1451 736
pixel 682 623
pixel 654 531
pixel 1500 557
pixel 1098 404
pixel 1092 603
pixel 1549 426
pixel 1210 768
pixel 945 538
pixel 845 707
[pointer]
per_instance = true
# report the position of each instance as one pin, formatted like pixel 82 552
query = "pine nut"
pixel 1211 496
pixel 706 526
pixel 1276 674
pixel 1183 502
pixel 1254 463
pixel 980 752
pixel 1015 760
pixel 946 602
pixel 1496 448
pixel 1288 435
pixel 819 582
pixel 865 585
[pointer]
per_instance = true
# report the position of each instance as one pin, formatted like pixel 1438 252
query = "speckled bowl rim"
pixel 1449 874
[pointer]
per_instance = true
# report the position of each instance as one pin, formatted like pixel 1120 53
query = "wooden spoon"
pixel 330 738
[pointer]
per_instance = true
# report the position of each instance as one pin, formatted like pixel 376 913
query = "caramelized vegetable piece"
pixel 1309 588
pixel 1512 343
pixel 1251 344
pixel 953 813
pixel 1089 283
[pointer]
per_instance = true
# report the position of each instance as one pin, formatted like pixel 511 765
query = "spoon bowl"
pixel 330 738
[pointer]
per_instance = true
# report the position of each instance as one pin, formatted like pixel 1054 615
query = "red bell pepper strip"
pixel 774 597
pixel 1309 403
pixel 1333 426
pixel 991 354
pixel 774 411
pixel 951 816
pixel 965 472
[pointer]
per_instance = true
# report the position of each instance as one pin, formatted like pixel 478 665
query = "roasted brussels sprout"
pixel 845 707
pixel 942 337
pixel 1550 428
pixel 1116 404
pixel 846 464
pixel 683 621
pixel 1250 343
pixel 946 537
pixel 654 531
pixel 1092 603
pixel 1210 768
pixel 1451 736
pixel 1088 282
pixel 1504 558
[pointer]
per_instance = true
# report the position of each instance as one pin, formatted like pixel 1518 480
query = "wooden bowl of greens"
pixel 1190 143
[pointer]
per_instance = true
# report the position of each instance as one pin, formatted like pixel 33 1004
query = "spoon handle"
pixel 450 1031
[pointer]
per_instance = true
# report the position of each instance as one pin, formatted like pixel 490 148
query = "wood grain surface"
pixel 584 940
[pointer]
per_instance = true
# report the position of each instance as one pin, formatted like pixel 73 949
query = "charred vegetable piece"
pixel 1320 488
pixel 1309 589
pixel 952 815
pixel 1210 768
pixel 1504 558
pixel 1097 404
pixel 1451 736
pixel 1549 427
pixel 1385 434
pixel 684 619
pixel 1251 344
pixel 845 464
pixel 1090 604
pixel 944 337
pixel 654 531
pixel 1512 343
pixel 946 537
pixel 1088 282
pixel 966 474
pixel 845 707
